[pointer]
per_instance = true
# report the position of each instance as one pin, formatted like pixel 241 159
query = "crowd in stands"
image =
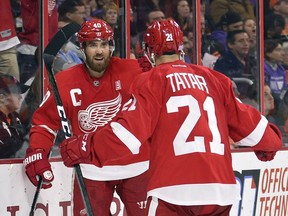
pixel 228 36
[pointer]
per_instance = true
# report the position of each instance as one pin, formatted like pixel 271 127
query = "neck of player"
pixel 166 58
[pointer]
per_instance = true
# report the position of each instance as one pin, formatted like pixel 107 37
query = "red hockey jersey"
pixel 8 37
pixel 30 16
pixel 89 104
pixel 188 113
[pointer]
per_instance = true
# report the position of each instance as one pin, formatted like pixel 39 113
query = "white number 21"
pixel 169 37
pixel 180 143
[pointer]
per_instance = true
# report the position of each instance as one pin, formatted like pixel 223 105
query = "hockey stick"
pixel 49 54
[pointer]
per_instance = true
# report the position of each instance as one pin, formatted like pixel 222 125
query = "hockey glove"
pixel 75 150
pixel 36 164
pixel 265 156
pixel 144 62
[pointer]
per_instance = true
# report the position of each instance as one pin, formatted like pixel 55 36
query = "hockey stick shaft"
pixel 50 52
pixel 35 198
pixel 66 129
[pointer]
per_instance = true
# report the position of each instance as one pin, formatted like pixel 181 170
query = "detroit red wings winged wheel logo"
pixel 98 114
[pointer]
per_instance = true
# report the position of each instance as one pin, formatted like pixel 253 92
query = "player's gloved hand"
pixel 143 61
pixel 36 164
pixel 264 155
pixel 76 150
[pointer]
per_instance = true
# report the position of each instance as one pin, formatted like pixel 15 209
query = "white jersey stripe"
pixel 132 143
pixel 198 194
pixel 256 135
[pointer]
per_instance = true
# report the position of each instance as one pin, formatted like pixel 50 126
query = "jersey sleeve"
pixel 247 127
pixel 45 123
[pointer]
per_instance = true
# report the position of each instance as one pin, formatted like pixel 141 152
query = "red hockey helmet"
pixel 96 29
pixel 163 37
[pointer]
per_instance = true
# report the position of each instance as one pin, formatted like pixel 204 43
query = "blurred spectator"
pixel 284 114
pixel 110 15
pixel 275 77
pixel 143 7
pixel 249 25
pixel 133 23
pixel 31 101
pixel 274 24
pixel 230 21
pixel 285 56
pixel 182 15
pixel 212 50
pixel 267 6
pixel 29 37
pixel 203 6
pixel 281 7
pixel 98 12
pixel 16 12
pixel 8 41
pixel 213 45
pixel 65 58
pixel 11 129
pixel 268 103
pixel 153 15
pixel 236 64
pixel 275 73
pixel 188 50
pixel 69 11
pixel 190 45
pixel 218 8
pixel 90 7
pixel 203 24
pixel 233 62
pixel 33 96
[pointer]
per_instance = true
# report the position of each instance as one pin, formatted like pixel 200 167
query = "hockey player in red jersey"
pixel 188 113
pixel 92 93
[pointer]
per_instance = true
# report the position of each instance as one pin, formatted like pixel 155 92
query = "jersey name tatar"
pixel 180 81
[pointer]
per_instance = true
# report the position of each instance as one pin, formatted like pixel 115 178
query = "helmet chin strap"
pixel 112 49
pixel 83 53
pixel 152 59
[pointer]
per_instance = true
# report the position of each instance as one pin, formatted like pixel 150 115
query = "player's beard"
pixel 98 67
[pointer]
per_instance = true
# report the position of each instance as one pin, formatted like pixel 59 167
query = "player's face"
pixel 97 55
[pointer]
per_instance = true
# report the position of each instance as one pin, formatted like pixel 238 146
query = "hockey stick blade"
pixel 51 50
